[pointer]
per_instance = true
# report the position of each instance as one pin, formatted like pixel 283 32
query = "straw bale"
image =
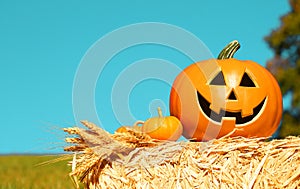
pixel 132 159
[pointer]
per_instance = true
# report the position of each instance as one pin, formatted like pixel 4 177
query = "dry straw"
pixel 134 160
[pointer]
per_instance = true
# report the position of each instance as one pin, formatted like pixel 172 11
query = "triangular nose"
pixel 232 96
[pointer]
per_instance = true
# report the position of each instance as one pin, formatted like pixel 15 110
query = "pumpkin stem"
pixel 159 112
pixel 229 50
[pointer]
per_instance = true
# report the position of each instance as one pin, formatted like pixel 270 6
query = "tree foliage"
pixel 285 43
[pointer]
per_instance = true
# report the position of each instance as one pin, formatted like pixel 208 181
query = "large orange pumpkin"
pixel 226 96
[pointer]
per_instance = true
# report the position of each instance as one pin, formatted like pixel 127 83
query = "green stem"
pixel 229 50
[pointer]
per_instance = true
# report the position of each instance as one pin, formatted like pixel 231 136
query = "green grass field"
pixel 24 172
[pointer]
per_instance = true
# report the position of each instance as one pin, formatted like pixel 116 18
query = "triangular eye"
pixel 247 81
pixel 218 80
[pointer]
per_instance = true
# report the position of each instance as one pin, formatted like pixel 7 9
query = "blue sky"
pixel 43 43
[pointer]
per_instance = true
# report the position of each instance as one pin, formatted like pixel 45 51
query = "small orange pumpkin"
pixel 163 128
pixel 125 129
pixel 226 96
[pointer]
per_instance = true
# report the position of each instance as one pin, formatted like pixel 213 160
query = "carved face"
pixel 215 97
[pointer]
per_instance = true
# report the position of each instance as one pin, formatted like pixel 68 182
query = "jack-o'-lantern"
pixel 226 96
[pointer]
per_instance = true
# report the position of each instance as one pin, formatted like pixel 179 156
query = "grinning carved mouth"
pixel 204 104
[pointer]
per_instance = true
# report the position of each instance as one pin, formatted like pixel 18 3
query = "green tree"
pixel 285 43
